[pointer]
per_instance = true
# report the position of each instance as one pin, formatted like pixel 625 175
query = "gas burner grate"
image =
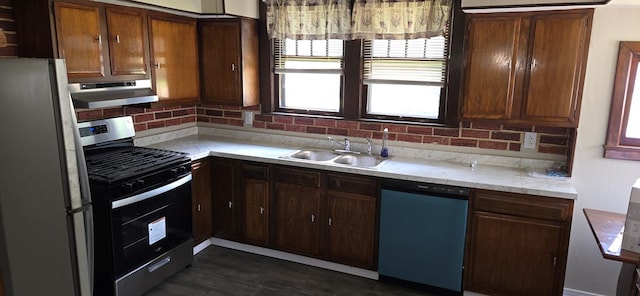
pixel 123 163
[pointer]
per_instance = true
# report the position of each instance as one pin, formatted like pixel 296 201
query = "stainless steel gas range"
pixel 142 208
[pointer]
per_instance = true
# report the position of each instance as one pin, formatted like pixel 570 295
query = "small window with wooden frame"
pixel 623 135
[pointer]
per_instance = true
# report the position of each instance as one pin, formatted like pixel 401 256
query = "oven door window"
pixel 146 229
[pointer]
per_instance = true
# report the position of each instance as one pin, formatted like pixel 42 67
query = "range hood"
pixel 112 94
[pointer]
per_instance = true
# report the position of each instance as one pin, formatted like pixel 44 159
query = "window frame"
pixel 618 146
pixel 354 92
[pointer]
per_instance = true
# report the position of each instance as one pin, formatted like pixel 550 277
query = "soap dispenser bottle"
pixel 384 152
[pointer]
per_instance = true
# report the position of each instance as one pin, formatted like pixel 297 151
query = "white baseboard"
pixel 572 292
pixel 295 258
pixel 201 246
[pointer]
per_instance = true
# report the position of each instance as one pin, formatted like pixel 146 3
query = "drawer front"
pixel 297 177
pixel 523 205
pixel 255 172
pixel 352 184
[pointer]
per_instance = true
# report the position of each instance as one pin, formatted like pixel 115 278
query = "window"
pixel 405 78
pixel 310 74
pixel 623 136
pixel 399 80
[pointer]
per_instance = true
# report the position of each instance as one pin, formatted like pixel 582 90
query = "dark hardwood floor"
pixel 221 271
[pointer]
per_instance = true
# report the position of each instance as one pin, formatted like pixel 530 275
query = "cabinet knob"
pixel 98 38
pixel 313 218
pixel 117 39
pixel 233 67
pixel 534 63
pixel 329 221
pixel 230 204
pixel 261 210
pixel 198 207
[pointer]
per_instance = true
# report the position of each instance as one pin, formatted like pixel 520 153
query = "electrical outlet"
pixel 530 140
pixel 248 118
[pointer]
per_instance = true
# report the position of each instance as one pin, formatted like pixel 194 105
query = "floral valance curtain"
pixel 367 19
pixel 308 19
pixel 399 19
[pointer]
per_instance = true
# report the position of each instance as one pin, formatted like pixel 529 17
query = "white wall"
pixel 603 184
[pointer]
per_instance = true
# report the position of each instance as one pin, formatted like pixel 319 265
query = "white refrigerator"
pixel 45 206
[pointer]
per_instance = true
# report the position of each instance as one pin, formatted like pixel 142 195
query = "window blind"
pixel 308 56
pixel 416 61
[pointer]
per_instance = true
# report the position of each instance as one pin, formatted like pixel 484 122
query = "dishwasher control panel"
pixel 426 188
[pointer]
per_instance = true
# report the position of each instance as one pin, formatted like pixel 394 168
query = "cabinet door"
pixel 351 234
pixel 297 218
pixel 127 42
pixel 558 54
pixel 201 187
pixel 351 211
pixel 175 63
pixel 297 210
pixel 513 256
pixel 80 39
pixel 494 59
pixel 256 204
pixel 224 184
pixel 220 57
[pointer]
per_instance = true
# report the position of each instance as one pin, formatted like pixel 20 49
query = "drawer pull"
pixel 198 207
pixel 329 221
pixel 159 264
pixel 261 210
pixel 230 204
pixel 313 218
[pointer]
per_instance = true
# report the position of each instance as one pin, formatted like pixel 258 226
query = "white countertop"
pixel 483 176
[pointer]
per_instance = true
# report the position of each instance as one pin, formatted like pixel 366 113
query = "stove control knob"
pixel 128 186
pixel 140 183
pixel 173 172
pixel 182 169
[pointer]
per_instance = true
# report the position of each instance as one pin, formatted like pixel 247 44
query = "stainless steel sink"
pixel 362 161
pixel 317 155
pixel 347 158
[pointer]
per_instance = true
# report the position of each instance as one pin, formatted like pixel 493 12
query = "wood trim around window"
pixel 618 146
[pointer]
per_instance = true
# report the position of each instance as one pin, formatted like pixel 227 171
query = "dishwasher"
pixel 422 234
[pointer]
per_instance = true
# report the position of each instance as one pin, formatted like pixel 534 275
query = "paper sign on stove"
pixel 157 230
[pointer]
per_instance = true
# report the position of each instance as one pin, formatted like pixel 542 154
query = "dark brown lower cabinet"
pixel 297 210
pixel 201 194
pixel 335 222
pixel 351 210
pixel 256 204
pixel 517 244
pixel 225 185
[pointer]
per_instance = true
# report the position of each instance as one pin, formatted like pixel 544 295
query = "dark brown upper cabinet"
pixel 99 42
pixel 229 61
pixel 526 68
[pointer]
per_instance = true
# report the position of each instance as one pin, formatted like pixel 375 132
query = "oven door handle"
pixel 149 194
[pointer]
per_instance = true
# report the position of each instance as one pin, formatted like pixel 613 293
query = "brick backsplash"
pixel 552 140
pixel 143 118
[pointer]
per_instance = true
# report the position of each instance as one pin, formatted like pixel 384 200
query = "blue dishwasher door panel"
pixel 422 238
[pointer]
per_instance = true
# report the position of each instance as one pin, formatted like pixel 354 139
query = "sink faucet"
pixel 369 145
pixel 346 144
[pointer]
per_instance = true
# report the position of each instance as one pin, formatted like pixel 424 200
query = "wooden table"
pixel 606 227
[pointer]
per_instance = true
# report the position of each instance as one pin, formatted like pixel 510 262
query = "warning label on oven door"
pixel 157 230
